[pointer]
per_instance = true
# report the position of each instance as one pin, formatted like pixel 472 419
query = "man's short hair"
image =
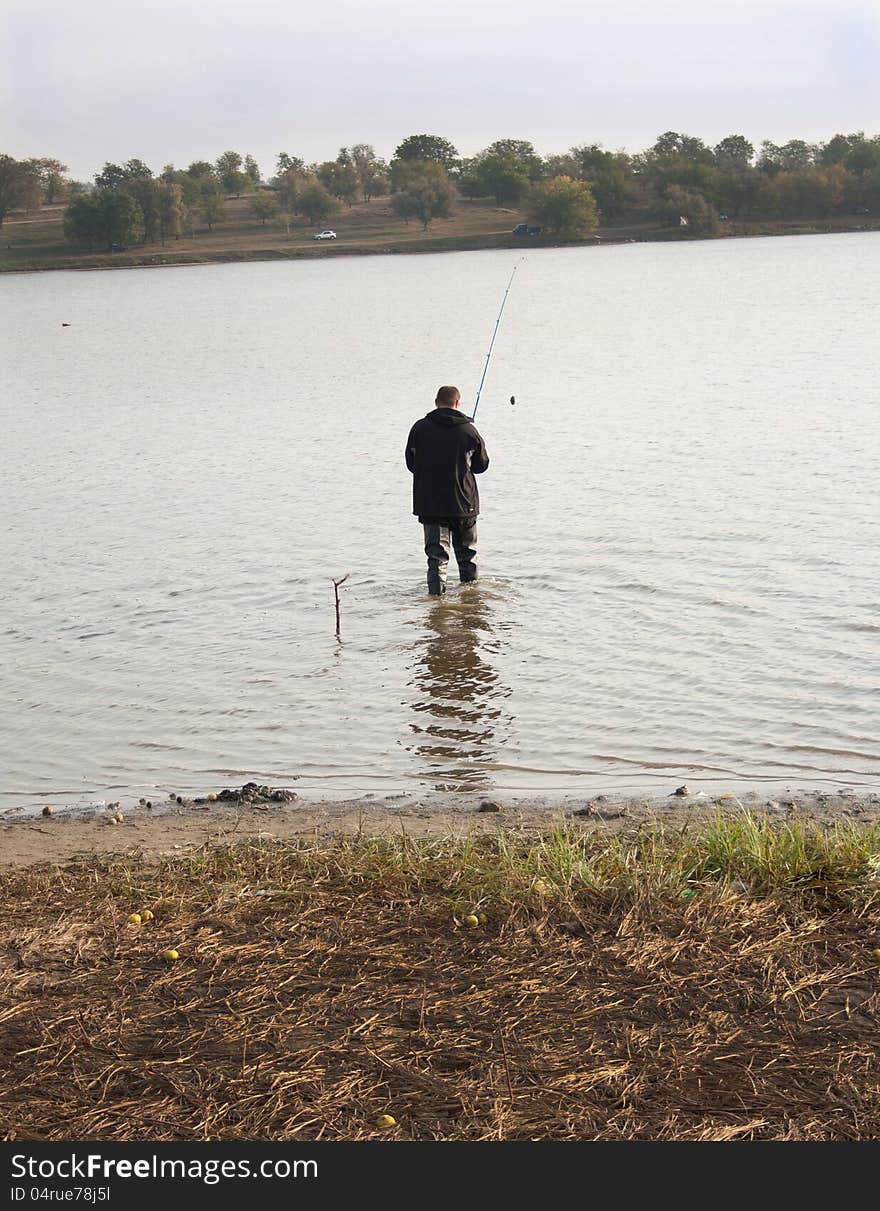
pixel 447 396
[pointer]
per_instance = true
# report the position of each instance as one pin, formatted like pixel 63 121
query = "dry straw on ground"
pixel 319 988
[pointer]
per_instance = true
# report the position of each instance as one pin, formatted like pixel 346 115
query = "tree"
pixel 814 191
pixel 118 176
pixel 678 160
pixel 838 187
pixel 198 182
pixel 145 192
pixel 521 149
pixel 230 161
pixel 121 219
pixel 316 203
pixel 404 205
pixel 667 144
pixel 82 224
pixel 289 185
pixel 566 165
pixel 201 168
pixel 426 194
pixel 739 190
pixel 768 160
pixel 378 184
pixel 564 206
pixel 400 171
pixel 326 174
pixel 672 145
pixel 690 205
pixel 111 176
pixel 836 149
pixel 505 176
pixel 178 176
pixel 797 154
pixel 766 202
pixel 230 175
pixel 428 147
pixel 286 163
pixel 162 200
pixel 340 176
pixel 372 172
pixel 31 185
pixel 734 152
pixel 172 209
pixel 51 175
pixel 13 185
pixel 403 172
pixel 212 210
pixel 468 181
pixel 264 206
pixel 136 168
pixel 252 170
pixel 791 157
pixel 105 218
pixel 869 187
pixel 794 194
pixel 864 157
pixel 609 175
pixel 504 172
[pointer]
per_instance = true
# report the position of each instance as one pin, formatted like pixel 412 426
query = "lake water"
pixel 679 538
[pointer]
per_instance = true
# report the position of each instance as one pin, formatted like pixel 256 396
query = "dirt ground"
pixel 407 992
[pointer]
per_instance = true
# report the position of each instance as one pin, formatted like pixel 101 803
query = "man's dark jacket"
pixel 444 452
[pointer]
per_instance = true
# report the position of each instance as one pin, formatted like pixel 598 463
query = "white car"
pixel 325 235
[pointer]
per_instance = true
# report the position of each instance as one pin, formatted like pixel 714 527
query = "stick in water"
pixel 336 584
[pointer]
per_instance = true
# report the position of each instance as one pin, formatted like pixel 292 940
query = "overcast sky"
pixel 176 80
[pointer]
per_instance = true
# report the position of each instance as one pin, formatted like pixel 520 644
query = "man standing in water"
pixel 444 452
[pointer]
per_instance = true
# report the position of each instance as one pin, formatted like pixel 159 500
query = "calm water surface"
pixel 679 534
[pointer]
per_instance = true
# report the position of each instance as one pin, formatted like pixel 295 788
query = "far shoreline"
pixel 428 244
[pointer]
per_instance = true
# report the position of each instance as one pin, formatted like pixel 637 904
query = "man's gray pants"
pixel 461 534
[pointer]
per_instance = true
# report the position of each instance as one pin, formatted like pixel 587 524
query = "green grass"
pixel 796 861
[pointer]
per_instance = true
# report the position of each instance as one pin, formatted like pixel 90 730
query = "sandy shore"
pixel 172 828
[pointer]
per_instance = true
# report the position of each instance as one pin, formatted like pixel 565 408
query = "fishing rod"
pixel 492 342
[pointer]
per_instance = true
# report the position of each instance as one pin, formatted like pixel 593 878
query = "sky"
pixel 171 81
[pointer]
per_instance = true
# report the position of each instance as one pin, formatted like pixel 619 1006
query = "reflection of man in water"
pixel 444 452
pixel 458 692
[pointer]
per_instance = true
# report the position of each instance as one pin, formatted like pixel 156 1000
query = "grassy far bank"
pixel 713 982
pixel 35 240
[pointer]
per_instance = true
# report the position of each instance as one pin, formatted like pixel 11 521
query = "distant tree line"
pixel 679 180
pixel 27 184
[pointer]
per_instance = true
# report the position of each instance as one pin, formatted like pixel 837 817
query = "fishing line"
pixel 492 342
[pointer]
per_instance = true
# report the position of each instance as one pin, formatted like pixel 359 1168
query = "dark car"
pixel 525 229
